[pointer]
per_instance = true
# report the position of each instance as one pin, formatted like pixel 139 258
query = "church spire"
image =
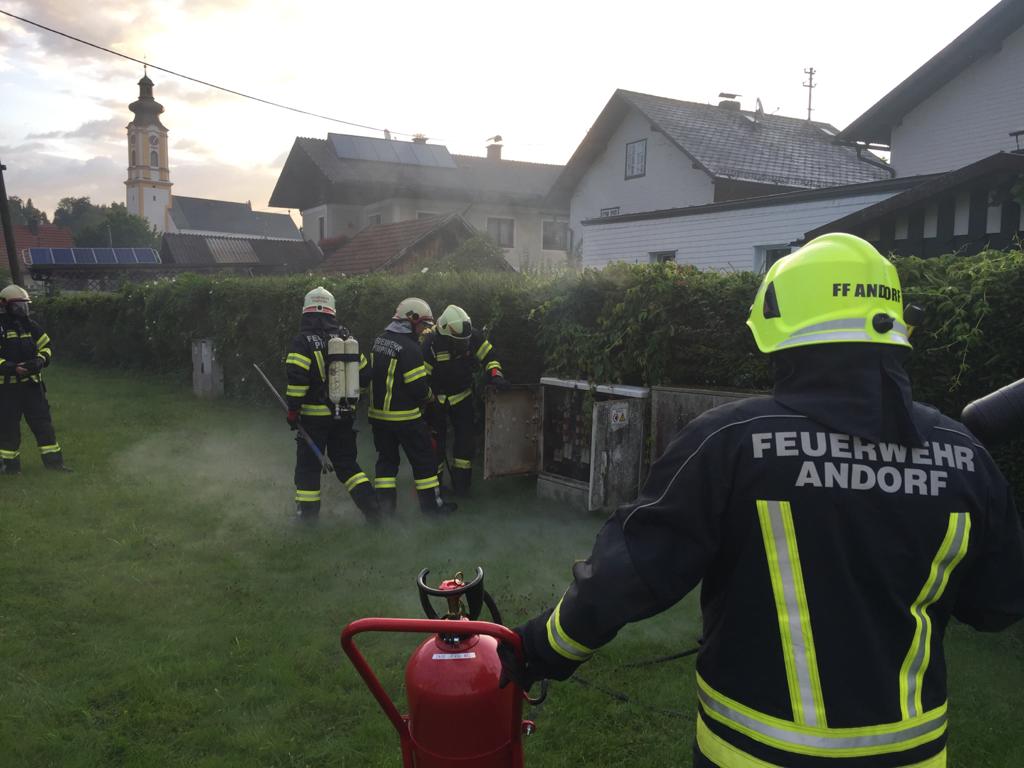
pixel 147 109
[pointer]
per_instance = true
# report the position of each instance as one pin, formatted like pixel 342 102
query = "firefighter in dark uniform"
pixel 399 392
pixel 309 404
pixel 24 352
pixel 837 527
pixel 453 352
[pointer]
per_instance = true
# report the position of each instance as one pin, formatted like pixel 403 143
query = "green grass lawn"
pixel 158 609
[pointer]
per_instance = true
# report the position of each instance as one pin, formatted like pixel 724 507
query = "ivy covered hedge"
pixel 656 324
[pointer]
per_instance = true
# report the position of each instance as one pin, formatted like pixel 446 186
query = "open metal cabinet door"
pixel 512 430
pixel 617 452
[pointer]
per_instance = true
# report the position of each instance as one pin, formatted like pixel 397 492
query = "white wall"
pixel 968 118
pixel 721 240
pixel 671 180
pixel 338 220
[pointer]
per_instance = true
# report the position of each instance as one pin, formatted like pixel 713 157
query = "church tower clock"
pixel 149 176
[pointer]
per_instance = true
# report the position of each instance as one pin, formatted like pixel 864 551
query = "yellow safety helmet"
pixel 836 289
pixel 319 300
pixel 454 322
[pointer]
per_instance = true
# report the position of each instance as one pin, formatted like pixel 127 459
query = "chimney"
pixel 494 148
pixel 419 138
pixel 729 101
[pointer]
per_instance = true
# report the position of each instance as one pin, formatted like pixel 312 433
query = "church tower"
pixel 149 176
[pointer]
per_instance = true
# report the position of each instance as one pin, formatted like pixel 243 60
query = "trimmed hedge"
pixel 651 324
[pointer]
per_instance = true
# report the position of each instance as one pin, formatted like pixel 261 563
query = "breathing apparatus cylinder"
pixel 336 372
pixel 351 347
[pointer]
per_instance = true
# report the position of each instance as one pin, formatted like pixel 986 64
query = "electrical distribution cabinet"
pixel 585 443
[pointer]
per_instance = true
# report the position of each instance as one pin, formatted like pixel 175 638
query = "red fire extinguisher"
pixel 458 716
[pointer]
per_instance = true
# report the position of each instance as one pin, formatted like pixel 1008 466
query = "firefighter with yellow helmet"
pixel 836 527
pixel 25 350
pixel 453 353
pixel 400 392
pixel 308 366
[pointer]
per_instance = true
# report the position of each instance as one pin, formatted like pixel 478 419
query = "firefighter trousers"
pixel 28 400
pixel 413 437
pixel 336 439
pixel 462 417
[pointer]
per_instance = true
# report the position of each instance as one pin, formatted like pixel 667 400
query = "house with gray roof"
pixel 199 216
pixel 649 153
pixel 344 184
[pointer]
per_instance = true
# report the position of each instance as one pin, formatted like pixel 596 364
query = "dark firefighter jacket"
pixel 451 364
pixel 397 376
pixel 306 364
pixel 837 526
pixel 22 341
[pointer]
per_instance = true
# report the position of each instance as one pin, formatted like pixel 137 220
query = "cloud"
pixel 46 177
pixel 98 130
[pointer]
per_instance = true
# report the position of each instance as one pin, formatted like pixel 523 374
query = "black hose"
pixel 998 416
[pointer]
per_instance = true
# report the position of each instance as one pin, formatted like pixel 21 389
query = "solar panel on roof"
pixel 40 256
pixel 105 256
pixel 125 256
pixel 390 151
pixel 147 256
pixel 83 255
pixel 62 256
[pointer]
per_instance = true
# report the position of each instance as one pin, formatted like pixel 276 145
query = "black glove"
pixel 499 382
pixel 35 365
pixel 534 666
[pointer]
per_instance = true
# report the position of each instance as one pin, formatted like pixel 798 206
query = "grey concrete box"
pixel 207 374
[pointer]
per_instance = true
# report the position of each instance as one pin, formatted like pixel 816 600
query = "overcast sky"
pixel 538 73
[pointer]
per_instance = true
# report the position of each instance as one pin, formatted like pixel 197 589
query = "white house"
pixel 649 153
pixel 961 106
pixel 343 184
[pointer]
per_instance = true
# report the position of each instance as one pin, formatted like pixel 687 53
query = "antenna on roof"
pixel 810 86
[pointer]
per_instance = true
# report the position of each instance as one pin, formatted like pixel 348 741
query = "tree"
pixel 117 228
pixel 26 214
pixel 78 213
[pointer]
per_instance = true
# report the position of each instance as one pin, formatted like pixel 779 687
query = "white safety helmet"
pixel 15 300
pixel 454 322
pixel 414 310
pixel 319 300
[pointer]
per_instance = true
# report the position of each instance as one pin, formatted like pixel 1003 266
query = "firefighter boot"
pixel 366 499
pixel 432 503
pixel 55 461
pixel 387 501
pixel 461 479
pixel 12 466
pixel 307 511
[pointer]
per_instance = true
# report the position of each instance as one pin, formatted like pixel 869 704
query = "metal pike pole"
pixel 324 461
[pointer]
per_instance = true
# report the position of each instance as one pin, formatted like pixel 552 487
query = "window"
pixel 658 257
pixel 426 215
pixel 555 235
pixel 502 231
pixel 320 227
pixel 636 159
pixel 154 159
pixel 766 255
pixel 134 157
pixel 373 219
pixel 606 212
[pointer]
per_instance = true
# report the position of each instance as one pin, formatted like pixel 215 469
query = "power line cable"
pixel 202 82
